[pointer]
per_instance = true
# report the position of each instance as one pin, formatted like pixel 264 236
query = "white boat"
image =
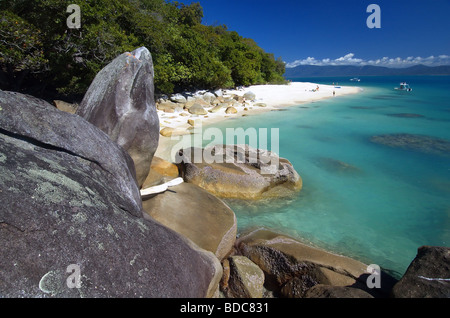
pixel 404 87
pixel 355 79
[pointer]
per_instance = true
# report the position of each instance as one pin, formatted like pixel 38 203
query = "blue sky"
pixel 325 32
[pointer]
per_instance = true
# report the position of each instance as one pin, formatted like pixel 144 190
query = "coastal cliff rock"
pixel 197 215
pixel 292 268
pixel 428 275
pixel 120 101
pixel 69 197
pixel 239 172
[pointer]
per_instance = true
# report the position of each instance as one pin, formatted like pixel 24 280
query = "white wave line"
pixel 439 279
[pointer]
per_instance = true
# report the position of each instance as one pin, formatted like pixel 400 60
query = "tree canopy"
pixel 38 50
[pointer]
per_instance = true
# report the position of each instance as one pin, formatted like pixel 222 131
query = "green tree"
pixel 21 49
pixel 36 46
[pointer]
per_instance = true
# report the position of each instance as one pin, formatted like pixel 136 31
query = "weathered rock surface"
pixel 246 278
pixel 197 101
pixel 38 123
pixel 292 268
pixel 208 97
pixel 197 215
pixel 169 107
pixel 428 275
pixel 327 291
pixel 261 104
pixel 197 109
pixel 178 98
pixel 170 131
pixel 239 172
pixel 231 110
pixel 249 96
pixel 65 107
pixel 161 171
pixel 215 109
pixel 69 196
pixel 120 101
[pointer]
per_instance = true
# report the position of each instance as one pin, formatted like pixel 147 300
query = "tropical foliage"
pixel 39 50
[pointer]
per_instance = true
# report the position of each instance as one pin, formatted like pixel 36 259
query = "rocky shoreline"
pixel 70 185
pixel 265 264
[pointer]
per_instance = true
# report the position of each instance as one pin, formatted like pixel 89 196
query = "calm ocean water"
pixel 361 199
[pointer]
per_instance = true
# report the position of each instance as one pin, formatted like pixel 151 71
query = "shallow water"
pixel 362 199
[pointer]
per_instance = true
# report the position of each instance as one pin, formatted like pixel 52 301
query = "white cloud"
pixel 349 59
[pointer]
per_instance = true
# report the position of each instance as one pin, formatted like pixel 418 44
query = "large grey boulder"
pixel 249 96
pixel 208 97
pixel 43 126
pixel 69 200
pixel 428 275
pixel 120 101
pixel 235 171
pixel 178 98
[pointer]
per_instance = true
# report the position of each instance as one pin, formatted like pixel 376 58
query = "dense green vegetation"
pixel 38 51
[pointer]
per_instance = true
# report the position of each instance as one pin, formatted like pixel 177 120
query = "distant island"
pixel 366 70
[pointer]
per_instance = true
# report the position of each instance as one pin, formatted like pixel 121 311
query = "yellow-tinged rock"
pixel 231 110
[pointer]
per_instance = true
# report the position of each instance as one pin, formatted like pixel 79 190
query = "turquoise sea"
pixel 362 199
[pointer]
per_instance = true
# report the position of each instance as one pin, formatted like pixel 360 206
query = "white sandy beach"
pixel 271 97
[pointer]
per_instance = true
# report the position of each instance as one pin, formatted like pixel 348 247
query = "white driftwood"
pixel 162 187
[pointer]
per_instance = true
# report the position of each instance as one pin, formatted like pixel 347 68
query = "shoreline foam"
pixel 272 96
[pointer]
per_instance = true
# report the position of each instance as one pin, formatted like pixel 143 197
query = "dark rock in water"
pixel 120 101
pixel 292 268
pixel 361 107
pixel 420 143
pixel 428 275
pixel 239 172
pixel 335 165
pixel 70 205
pixel 406 115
